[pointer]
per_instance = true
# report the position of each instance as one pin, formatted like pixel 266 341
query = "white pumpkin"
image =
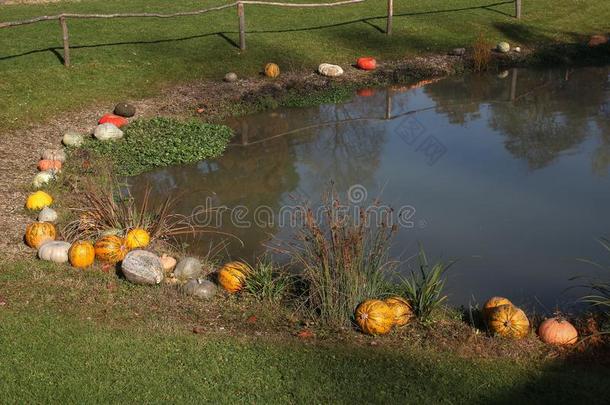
pixel 326 69
pixel 54 251
pixel 54 154
pixel 47 214
pixel 107 132
pixel 43 178
pixel 73 139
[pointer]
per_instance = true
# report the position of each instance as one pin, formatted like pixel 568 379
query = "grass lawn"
pixel 134 58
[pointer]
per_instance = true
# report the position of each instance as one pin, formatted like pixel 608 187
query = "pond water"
pixel 509 173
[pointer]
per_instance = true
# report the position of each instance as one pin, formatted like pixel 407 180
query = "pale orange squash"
pixel 374 317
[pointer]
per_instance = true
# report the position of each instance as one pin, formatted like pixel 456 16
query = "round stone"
pixel 200 288
pixel 107 132
pixel 189 267
pixel 73 139
pixel 230 77
pixel 47 214
pixel 125 110
pixel 329 70
pixel 142 267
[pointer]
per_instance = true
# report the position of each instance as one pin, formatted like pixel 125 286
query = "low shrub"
pixel 162 142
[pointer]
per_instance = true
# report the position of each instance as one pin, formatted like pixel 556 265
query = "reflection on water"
pixel 508 173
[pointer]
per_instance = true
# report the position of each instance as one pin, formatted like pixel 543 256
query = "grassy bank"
pixel 116 59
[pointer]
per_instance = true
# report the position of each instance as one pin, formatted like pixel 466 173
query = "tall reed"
pixel 481 53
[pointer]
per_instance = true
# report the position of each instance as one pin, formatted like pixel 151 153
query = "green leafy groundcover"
pixel 159 142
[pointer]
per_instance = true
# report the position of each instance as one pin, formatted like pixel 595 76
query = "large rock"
pixel 73 139
pixel 125 110
pixel 326 69
pixel 47 214
pixel 200 288
pixel 142 267
pixel 189 267
pixel 107 132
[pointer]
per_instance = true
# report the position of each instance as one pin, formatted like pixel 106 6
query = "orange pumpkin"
pixel 374 317
pixel 46 164
pixel 401 309
pixel 116 120
pixel 557 331
pixel 366 63
pixel 492 303
pixel 366 92
pixel 232 276
pixel 137 238
pixel 509 321
pixel 81 254
pixel 38 233
pixel 272 70
pixel 110 249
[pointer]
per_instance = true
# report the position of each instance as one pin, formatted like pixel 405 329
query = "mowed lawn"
pixel 134 58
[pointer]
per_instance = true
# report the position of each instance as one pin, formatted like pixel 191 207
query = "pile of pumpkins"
pixel 379 317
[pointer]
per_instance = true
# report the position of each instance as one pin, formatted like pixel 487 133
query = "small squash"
pixel 401 309
pixel 43 178
pixel 110 249
pixel 52 165
pixel 167 262
pixel 374 317
pixel 38 233
pixel 509 321
pixel 232 276
pixel 366 92
pixel 38 200
pixel 366 63
pixel 272 70
pixel 113 119
pixel 81 254
pixel 54 251
pixel 137 238
pixel 492 303
pixel 557 331
pixel 54 154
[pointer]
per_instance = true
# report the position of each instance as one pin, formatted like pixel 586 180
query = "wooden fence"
pixel 241 16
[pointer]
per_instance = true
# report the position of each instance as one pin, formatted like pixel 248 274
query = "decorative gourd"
pixel 509 321
pixel 367 63
pixel 54 251
pixel 110 249
pixel 125 109
pixel 142 267
pixel 200 288
pixel 189 267
pixel 81 254
pixel 38 200
pixel 374 317
pixel 47 215
pixel 329 70
pixel 54 154
pixel 73 139
pixel 167 262
pixel 557 331
pixel 232 276
pixel 107 132
pixel 115 120
pixel 492 303
pixel 401 309
pixel 503 47
pixel 137 238
pixel 272 70
pixel 53 165
pixel 38 233
pixel 366 92
pixel 43 178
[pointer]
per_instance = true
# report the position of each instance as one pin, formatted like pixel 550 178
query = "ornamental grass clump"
pixel 343 258
pixel 600 297
pixel 268 283
pixel 481 53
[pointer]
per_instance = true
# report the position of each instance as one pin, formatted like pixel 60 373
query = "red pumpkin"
pixel 45 164
pixel 366 63
pixel 367 92
pixel 113 119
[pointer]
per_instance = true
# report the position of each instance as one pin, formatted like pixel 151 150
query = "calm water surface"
pixel 509 173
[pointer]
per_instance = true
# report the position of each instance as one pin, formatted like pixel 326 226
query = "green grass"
pixel 162 142
pixel 53 358
pixel 134 58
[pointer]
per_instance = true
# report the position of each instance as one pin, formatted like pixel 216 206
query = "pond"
pixel 508 173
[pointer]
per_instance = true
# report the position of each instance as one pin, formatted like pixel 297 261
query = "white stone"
pixel 142 267
pixel 326 69
pixel 47 214
pixel 518 49
pixel 107 132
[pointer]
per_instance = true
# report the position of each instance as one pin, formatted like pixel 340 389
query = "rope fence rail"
pixel 241 16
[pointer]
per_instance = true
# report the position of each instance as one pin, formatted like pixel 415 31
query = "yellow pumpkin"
pixel 37 233
pixel 374 317
pixel 232 276
pixel 38 200
pixel 110 249
pixel 272 70
pixel 509 321
pixel 81 254
pixel 401 309
pixel 137 238
pixel 557 331
pixel 492 303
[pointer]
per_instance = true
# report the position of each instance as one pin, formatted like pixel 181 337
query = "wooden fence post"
pixel 388 29
pixel 518 9
pixel 242 26
pixel 66 40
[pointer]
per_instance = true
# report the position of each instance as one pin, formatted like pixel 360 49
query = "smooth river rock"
pixel 107 132
pixel 142 267
pixel 125 110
